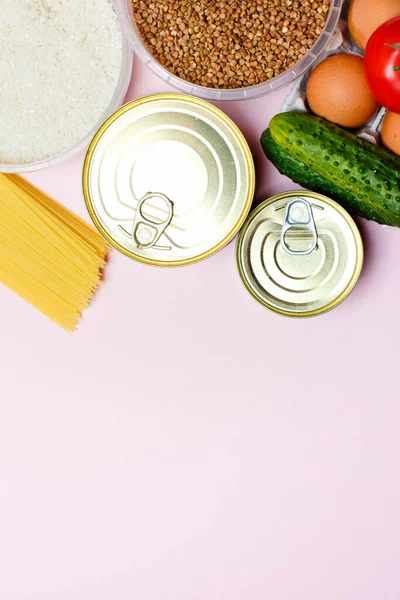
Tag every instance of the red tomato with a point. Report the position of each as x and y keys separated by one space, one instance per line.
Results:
x=382 y=64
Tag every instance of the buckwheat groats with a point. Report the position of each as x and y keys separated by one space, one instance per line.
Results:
x=229 y=44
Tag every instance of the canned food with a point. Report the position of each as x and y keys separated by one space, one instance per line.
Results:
x=299 y=254
x=168 y=179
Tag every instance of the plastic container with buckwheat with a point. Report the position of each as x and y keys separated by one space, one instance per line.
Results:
x=230 y=50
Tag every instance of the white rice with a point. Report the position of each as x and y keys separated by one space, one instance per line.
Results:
x=60 y=62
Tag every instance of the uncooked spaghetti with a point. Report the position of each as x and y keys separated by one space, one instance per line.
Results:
x=48 y=255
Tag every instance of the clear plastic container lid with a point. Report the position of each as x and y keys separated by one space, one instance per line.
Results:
x=246 y=93
x=115 y=102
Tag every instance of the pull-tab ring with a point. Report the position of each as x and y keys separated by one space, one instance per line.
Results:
x=299 y=214
x=146 y=232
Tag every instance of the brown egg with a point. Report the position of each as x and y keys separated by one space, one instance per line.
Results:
x=365 y=16
x=337 y=90
x=391 y=132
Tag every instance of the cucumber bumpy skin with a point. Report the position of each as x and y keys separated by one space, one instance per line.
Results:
x=325 y=158
x=301 y=174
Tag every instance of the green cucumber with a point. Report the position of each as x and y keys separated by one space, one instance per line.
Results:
x=322 y=157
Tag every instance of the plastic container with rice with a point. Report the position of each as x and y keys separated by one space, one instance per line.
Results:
x=65 y=69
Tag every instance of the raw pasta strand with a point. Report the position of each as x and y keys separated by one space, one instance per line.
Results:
x=48 y=255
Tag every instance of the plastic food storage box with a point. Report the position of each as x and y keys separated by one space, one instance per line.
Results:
x=246 y=93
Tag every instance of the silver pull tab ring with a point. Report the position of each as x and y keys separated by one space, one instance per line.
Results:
x=299 y=214
x=146 y=232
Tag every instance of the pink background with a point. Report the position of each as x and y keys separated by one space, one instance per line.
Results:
x=186 y=444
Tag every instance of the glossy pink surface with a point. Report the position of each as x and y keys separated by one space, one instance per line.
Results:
x=186 y=444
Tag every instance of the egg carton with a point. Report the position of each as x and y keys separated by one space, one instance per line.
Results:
x=340 y=42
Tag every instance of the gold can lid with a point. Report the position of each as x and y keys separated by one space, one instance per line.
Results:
x=168 y=179
x=299 y=254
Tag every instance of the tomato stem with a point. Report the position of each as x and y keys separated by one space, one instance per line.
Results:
x=396 y=47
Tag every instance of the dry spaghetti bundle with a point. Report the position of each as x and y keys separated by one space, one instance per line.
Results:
x=48 y=255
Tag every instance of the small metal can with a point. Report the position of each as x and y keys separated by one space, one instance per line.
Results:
x=299 y=254
x=168 y=179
